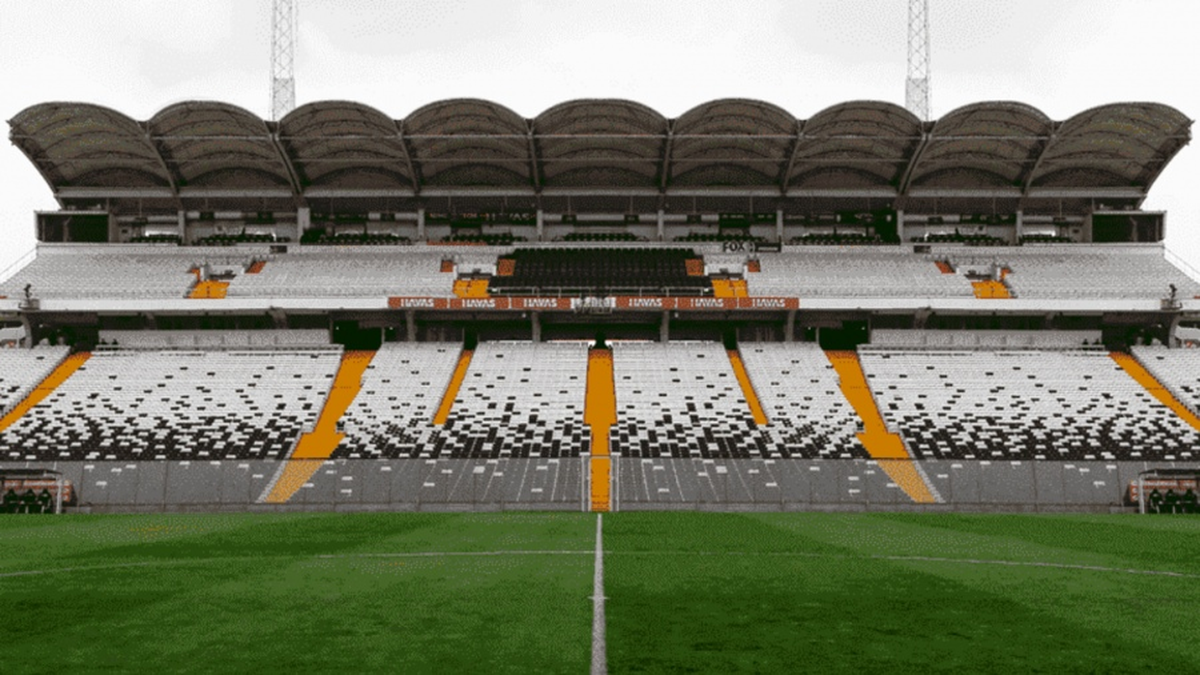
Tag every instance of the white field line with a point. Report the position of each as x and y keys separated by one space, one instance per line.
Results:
x=447 y=554
x=599 y=647
x=598 y=594
x=923 y=558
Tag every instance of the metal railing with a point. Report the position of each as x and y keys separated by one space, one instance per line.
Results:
x=1183 y=265
x=8 y=272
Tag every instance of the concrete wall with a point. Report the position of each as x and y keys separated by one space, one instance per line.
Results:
x=562 y=484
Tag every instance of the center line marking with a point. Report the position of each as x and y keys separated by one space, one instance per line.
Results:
x=599 y=649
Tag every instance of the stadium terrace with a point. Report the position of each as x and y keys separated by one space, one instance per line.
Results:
x=600 y=308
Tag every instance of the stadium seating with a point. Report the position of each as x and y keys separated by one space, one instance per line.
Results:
x=215 y=339
x=599 y=270
x=1016 y=405
x=177 y=406
x=1177 y=369
x=682 y=400
x=392 y=416
x=23 y=369
x=992 y=339
x=319 y=274
x=127 y=271
x=1093 y=272
x=518 y=400
x=798 y=389
x=869 y=272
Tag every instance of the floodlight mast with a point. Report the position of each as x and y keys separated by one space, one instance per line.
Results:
x=917 y=89
x=283 y=51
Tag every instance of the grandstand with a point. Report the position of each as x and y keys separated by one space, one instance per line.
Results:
x=600 y=308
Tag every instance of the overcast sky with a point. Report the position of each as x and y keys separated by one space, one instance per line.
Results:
x=138 y=56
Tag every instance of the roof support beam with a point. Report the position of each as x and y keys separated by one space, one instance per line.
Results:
x=906 y=179
x=408 y=161
x=535 y=165
x=668 y=148
x=1027 y=181
x=173 y=179
x=791 y=163
x=293 y=178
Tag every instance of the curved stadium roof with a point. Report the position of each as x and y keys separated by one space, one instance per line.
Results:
x=727 y=146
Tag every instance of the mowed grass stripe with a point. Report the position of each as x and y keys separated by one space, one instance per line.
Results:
x=276 y=605
x=841 y=610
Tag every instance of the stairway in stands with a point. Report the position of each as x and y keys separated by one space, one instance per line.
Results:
x=209 y=290
x=743 y=378
x=319 y=444
x=56 y=377
x=600 y=413
x=460 y=373
x=879 y=442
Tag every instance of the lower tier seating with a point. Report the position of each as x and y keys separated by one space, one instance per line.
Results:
x=1176 y=369
x=176 y=406
x=401 y=390
x=1065 y=405
x=682 y=400
x=21 y=370
x=798 y=388
x=517 y=400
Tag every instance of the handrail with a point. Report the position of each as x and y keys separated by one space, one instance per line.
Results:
x=11 y=271
x=1183 y=265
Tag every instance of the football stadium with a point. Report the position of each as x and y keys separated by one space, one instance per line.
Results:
x=732 y=390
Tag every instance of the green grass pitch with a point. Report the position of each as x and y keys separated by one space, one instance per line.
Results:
x=687 y=592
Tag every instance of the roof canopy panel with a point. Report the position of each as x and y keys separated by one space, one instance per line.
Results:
x=346 y=145
x=600 y=143
x=81 y=144
x=469 y=142
x=996 y=142
x=870 y=149
x=212 y=144
x=731 y=142
x=1125 y=144
x=870 y=142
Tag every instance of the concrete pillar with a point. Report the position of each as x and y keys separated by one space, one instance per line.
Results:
x=421 y=225
x=664 y=330
x=1171 y=328
x=410 y=325
x=900 y=225
x=789 y=329
x=535 y=321
x=1020 y=226
x=303 y=219
x=779 y=225
x=661 y=229
x=182 y=223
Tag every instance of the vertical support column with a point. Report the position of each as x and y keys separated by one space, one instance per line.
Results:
x=421 y=224
x=789 y=330
x=182 y=215
x=541 y=225
x=303 y=219
x=661 y=228
x=1171 y=330
x=410 y=325
x=779 y=225
x=1020 y=226
x=900 y=225
x=664 y=330
x=535 y=320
